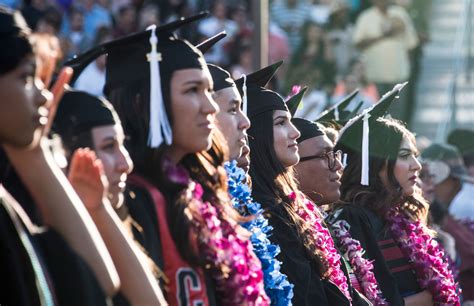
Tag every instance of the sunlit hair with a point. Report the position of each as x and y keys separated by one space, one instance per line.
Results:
x=132 y=105
x=272 y=179
x=377 y=197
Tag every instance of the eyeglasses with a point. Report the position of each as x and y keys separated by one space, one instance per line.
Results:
x=331 y=157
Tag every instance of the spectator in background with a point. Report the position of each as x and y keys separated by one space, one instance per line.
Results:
x=149 y=14
x=355 y=78
x=449 y=175
x=92 y=79
x=320 y=10
x=33 y=12
x=76 y=41
x=50 y=22
x=126 y=21
x=291 y=15
x=340 y=32
x=214 y=24
x=313 y=56
x=385 y=35
x=96 y=15
x=243 y=63
x=462 y=139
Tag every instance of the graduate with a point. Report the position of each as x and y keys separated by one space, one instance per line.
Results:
x=308 y=255
x=65 y=261
x=86 y=121
x=233 y=124
x=162 y=92
x=385 y=210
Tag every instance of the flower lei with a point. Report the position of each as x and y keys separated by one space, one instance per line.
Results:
x=277 y=286
x=324 y=243
x=426 y=257
x=229 y=257
x=362 y=267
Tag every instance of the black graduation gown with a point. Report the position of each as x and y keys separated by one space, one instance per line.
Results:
x=309 y=288
x=392 y=270
x=140 y=207
x=69 y=278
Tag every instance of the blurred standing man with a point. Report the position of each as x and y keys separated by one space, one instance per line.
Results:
x=385 y=35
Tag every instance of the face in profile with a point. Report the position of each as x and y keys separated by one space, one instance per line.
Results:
x=108 y=145
x=319 y=170
x=232 y=122
x=22 y=103
x=284 y=138
x=193 y=111
x=407 y=168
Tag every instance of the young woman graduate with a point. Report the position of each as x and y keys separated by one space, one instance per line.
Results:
x=40 y=266
x=86 y=121
x=233 y=124
x=308 y=255
x=167 y=112
x=385 y=210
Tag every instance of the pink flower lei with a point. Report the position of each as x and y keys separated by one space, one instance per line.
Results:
x=324 y=243
x=234 y=267
x=426 y=257
x=362 y=267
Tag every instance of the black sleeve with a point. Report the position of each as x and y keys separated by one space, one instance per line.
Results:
x=362 y=230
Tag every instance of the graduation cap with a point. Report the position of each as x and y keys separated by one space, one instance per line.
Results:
x=257 y=79
x=337 y=113
x=12 y=23
x=80 y=111
x=361 y=135
x=210 y=42
x=221 y=77
x=294 y=101
x=308 y=129
x=148 y=56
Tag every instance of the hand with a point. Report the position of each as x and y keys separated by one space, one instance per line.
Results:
x=86 y=175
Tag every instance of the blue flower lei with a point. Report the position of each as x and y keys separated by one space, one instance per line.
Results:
x=277 y=286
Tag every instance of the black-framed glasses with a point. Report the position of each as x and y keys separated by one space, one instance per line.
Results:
x=331 y=157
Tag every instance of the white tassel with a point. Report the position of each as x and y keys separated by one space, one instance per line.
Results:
x=159 y=123
x=364 y=175
x=244 y=98
x=336 y=113
x=344 y=160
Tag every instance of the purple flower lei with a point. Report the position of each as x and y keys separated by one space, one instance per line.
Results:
x=426 y=257
x=362 y=267
x=228 y=256
x=324 y=243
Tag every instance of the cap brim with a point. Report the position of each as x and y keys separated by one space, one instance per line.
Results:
x=328 y=115
x=210 y=42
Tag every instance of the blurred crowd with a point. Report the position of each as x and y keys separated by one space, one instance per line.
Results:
x=331 y=46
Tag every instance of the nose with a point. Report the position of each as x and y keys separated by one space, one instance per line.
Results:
x=124 y=162
x=294 y=133
x=244 y=121
x=416 y=166
x=209 y=106
x=337 y=164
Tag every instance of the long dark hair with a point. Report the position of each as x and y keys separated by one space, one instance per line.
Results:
x=377 y=197
x=272 y=179
x=132 y=105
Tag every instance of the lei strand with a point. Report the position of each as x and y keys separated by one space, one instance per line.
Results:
x=426 y=257
x=229 y=257
x=362 y=267
x=324 y=243
x=277 y=286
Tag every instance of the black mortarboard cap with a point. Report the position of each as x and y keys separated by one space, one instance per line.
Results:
x=294 y=101
x=361 y=134
x=127 y=56
x=259 y=78
x=210 y=42
x=308 y=129
x=12 y=23
x=80 y=111
x=221 y=77
x=337 y=112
